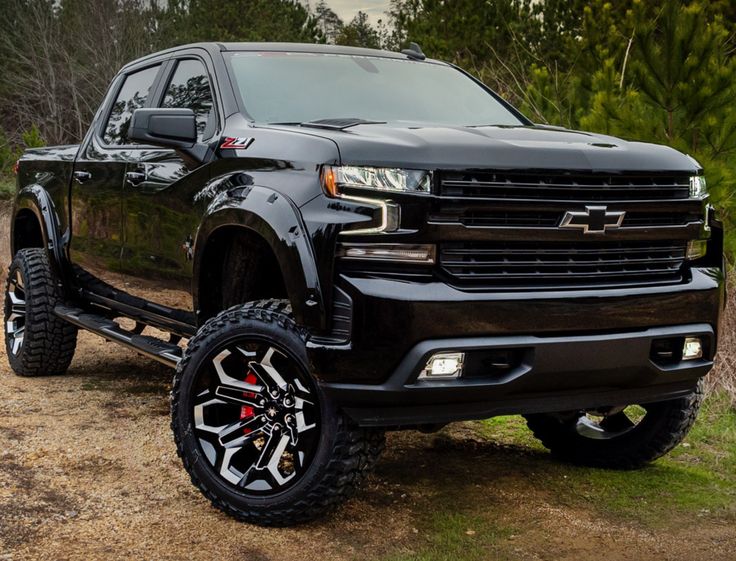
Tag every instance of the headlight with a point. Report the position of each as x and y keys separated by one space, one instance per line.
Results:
x=392 y=180
x=698 y=188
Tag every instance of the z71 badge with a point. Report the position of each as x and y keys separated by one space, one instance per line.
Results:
x=239 y=143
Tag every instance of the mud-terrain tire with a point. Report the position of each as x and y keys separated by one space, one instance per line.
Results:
x=243 y=373
x=617 y=445
x=37 y=342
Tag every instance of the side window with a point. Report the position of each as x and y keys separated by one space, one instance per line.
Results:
x=132 y=96
x=189 y=88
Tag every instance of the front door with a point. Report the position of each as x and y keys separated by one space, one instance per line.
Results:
x=159 y=224
x=160 y=206
x=97 y=186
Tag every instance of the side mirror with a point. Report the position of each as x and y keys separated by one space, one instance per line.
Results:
x=169 y=128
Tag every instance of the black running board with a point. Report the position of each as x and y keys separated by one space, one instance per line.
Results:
x=162 y=351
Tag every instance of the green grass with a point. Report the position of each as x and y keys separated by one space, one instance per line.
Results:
x=511 y=431
x=698 y=477
x=653 y=496
x=454 y=537
x=695 y=483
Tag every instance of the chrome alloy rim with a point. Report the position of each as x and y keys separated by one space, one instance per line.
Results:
x=610 y=423
x=255 y=417
x=15 y=311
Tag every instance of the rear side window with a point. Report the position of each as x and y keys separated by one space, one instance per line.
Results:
x=132 y=96
x=189 y=88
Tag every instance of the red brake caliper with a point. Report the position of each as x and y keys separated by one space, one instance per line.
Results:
x=246 y=410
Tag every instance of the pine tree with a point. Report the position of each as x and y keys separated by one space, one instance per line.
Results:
x=359 y=33
x=504 y=42
x=462 y=31
x=678 y=89
x=328 y=21
x=243 y=20
x=680 y=72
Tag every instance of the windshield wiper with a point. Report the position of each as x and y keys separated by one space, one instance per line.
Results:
x=497 y=126
x=334 y=124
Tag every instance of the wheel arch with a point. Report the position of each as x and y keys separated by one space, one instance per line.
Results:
x=36 y=224
x=263 y=214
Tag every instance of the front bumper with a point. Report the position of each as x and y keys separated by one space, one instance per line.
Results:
x=581 y=348
x=552 y=374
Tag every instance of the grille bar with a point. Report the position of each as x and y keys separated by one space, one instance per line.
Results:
x=582 y=249
x=552 y=219
x=567 y=187
x=570 y=264
x=519 y=265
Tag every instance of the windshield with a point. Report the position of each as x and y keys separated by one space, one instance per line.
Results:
x=281 y=87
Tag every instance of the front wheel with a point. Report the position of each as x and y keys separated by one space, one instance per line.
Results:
x=254 y=431
x=618 y=437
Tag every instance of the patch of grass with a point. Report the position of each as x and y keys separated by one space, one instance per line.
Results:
x=455 y=537
x=510 y=430
x=696 y=481
x=146 y=388
x=7 y=188
x=698 y=477
x=651 y=495
x=95 y=384
x=712 y=442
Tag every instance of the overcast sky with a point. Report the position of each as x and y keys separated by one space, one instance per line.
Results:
x=347 y=9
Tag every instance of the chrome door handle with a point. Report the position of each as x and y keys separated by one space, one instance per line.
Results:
x=80 y=176
x=135 y=177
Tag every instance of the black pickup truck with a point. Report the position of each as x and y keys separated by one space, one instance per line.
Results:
x=340 y=241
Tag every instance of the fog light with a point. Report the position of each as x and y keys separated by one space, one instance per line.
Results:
x=696 y=249
x=404 y=253
x=692 y=348
x=443 y=366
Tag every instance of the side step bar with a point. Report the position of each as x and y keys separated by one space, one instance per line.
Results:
x=167 y=353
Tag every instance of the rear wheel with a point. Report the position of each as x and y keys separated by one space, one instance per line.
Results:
x=618 y=437
x=254 y=431
x=36 y=340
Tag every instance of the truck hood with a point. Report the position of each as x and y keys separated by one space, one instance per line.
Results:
x=528 y=147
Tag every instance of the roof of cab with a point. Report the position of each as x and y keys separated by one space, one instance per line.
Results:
x=308 y=48
x=274 y=47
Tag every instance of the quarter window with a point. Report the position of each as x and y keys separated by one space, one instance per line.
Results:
x=133 y=95
x=189 y=88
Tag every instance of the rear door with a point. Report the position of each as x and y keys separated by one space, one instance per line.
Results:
x=161 y=198
x=97 y=185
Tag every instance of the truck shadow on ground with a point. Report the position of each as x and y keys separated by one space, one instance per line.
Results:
x=455 y=465
x=451 y=457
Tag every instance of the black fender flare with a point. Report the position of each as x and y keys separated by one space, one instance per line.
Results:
x=37 y=200
x=278 y=221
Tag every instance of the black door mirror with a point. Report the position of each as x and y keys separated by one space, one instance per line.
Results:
x=172 y=128
x=169 y=128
